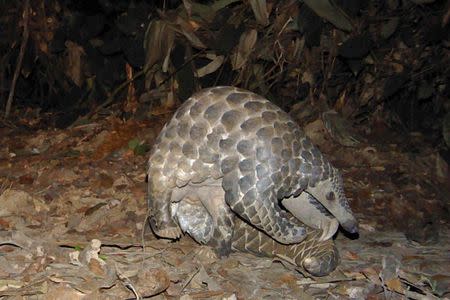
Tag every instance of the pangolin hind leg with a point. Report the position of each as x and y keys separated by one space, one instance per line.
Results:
x=212 y=197
x=194 y=219
x=160 y=219
x=202 y=212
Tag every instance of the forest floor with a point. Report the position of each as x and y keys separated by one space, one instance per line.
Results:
x=70 y=195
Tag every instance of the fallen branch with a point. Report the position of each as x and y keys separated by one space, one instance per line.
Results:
x=26 y=34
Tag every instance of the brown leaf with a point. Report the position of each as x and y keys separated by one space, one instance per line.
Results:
x=394 y=284
x=117 y=138
x=208 y=11
x=351 y=255
x=185 y=27
x=216 y=62
x=260 y=10
x=62 y=291
x=158 y=42
x=328 y=10
x=372 y=275
x=26 y=179
x=74 y=62
x=96 y=267
x=153 y=282
x=245 y=48
x=103 y=181
x=4 y=224
x=288 y=278
x=131 y=102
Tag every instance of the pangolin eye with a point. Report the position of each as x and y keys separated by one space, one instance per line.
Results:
x=330 y=196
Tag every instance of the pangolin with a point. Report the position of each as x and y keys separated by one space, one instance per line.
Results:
x=235 y=141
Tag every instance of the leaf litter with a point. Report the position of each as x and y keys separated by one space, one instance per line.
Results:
x=72 y=201
x=78 y=227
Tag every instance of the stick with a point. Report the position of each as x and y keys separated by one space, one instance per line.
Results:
x=26 y=34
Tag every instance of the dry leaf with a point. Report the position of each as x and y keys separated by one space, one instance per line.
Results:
x=340 y=129
x=73 y=70
x=245 y=48
x=208 y=11
x=96 y=267
x=217 y=61
x=202 y=278
x=395 y=285
x=351 y=255
x=188 y=6
x=13 y=202
x=185 y=28
x=153 y=282
x=328 y=10
x=158 y=42
x=259 y=8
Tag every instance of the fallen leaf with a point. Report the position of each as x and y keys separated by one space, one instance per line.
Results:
x=328 y=10
x=260 y=11
x=245 y=47
x=351 y=255
x=395 y=285
x=96 y=267
x=216 y=62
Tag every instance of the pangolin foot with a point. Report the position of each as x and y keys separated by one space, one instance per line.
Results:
x=317 y=267
x=168 y=231
x=205 y=252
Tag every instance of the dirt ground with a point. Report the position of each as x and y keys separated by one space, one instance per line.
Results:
x=73 y=223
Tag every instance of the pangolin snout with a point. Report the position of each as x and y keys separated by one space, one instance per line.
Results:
x=350 y=226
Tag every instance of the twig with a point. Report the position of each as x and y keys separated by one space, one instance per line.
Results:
x=11 y=243
x=143 y=233
x=26 y=34
x=189 y=279
x=127 y=283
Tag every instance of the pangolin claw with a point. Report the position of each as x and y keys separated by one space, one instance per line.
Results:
x=206 y=252
x=169 y=233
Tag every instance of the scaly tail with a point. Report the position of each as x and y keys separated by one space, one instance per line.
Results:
x=318 y=258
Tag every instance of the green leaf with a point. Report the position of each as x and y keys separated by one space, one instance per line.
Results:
x=141 y=149
x=133 y=144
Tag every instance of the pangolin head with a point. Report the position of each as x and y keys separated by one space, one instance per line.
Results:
x=330 y=193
